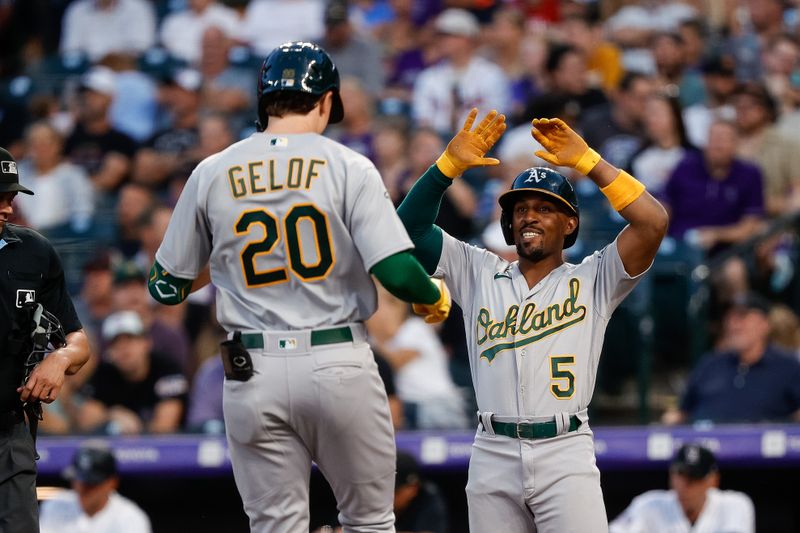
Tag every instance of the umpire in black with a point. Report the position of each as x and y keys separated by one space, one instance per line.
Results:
x=30 y=271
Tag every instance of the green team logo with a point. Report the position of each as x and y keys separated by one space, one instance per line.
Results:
x=534 y=323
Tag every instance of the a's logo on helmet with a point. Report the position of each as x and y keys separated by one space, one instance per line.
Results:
x=533 y=175
x=287 y=77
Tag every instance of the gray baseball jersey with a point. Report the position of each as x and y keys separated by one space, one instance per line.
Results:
x=296 y=222
x=533 y=352
x=291 y=225
x=533 y=355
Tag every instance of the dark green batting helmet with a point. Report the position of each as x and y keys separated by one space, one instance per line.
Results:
x=541 y=180
x=301 y=67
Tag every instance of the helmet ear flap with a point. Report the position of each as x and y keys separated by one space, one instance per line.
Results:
x=505 y=225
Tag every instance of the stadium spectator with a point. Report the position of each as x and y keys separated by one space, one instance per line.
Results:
x=133 y=202
x=444 y=93
x=719 y=77
x=761 y=142
x=182 y=32
x=166 y=337
x=507 y=46
x=357 y=129
x=226 y=88
x=672 y=73
x=103 y=151
x=420 y=364
x=354 y=55
x=762 y=21
x=747 y=379
x=780 y=60
x=617 y=130
x=391 y=148
x=269 y=23
x=95 y=302
x=152 y=224
x=93 y=505
x=567 y=76
x=403 y=39
x=170 y=152
x=603 y=58
x=665 y=145
x=418 y=504
x=460 y=201
x=694 y=502
x=715 y=194
x=135 y=106
x=64 y=202
x=694 y=35
x=101 y=27
x=785 y=329
x=136 y=390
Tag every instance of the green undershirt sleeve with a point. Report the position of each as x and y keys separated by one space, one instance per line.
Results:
x=166 y=288
x=403 y=276
x=419 y=210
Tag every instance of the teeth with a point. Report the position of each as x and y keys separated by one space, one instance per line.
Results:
x=528 y=234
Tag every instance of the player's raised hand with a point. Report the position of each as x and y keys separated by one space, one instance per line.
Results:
x=564 y=147
x=438 y=311
x=467 y=149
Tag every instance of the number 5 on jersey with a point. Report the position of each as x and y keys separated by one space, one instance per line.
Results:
x=297 y=263
x=563 y=386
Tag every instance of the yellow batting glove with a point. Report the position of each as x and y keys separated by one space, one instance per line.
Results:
x=468 y=148
x=565 y=148
x=438 y=311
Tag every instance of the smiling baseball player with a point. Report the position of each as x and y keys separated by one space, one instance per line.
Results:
x=292 y=224
x=535 y=326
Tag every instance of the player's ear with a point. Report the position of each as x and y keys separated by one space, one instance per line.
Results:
x=326 y=104
x=572 y=223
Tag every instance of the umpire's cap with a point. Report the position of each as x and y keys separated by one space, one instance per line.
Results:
x=694 y=461
x=545 y=181
x=9 y=176
x=301 y=67
x=92 y=464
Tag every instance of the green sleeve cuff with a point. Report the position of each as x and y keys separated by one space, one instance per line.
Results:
x=166 y=288
x=403 y=276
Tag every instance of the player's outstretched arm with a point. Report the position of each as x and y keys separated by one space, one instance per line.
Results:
x=403 y=276
x=467 y=149
x=639 y=241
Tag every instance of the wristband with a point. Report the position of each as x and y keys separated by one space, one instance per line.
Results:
x=623 y=190
x=587 y=162
x=447 y=167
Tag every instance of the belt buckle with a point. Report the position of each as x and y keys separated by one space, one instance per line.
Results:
x=518 y=425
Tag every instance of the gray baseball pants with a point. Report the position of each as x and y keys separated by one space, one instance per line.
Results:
x=307 y=403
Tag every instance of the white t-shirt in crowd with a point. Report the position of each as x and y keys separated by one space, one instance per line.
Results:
x=427 y=376
x=63 y=514
x=182 y=32
x=658 y=511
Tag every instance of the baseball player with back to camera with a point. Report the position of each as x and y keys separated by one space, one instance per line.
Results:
x=535 y=326
x=291 y=225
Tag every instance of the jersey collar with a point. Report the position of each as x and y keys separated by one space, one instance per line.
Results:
x=9 y=236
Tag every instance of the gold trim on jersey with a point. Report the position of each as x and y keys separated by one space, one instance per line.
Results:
x=541 y=324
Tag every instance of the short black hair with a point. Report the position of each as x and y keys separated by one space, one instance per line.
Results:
x=556 y=55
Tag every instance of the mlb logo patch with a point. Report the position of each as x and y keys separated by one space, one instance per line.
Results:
x=279 y=142
x=287 y=344
x=25 y=296
x=287 y=77
x=8 y=167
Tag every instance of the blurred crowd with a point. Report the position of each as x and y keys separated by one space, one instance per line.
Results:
x=109 y=104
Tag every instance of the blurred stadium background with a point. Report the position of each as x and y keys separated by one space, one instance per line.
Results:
x=109 y=104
